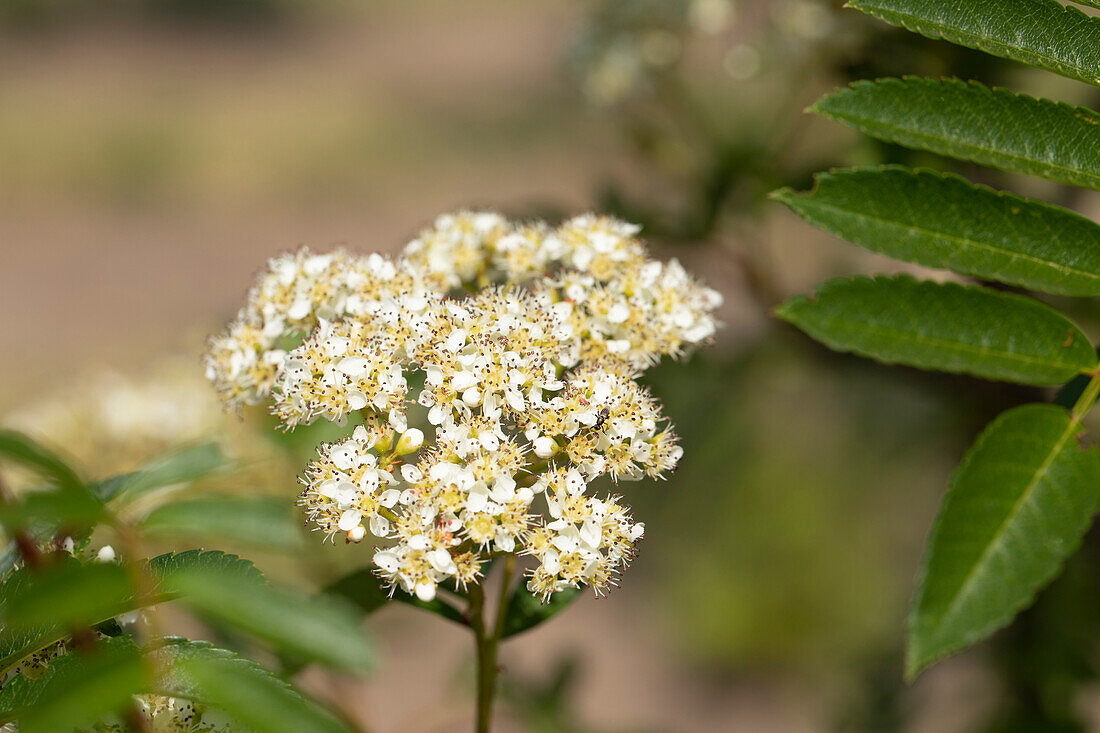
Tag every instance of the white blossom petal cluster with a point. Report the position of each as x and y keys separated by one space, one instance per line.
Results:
x=517 y=348
x=297 y=292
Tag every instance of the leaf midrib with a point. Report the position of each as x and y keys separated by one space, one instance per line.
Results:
x=998 y=536
x=966 y=348
x=1064 y=269
x=864 y=123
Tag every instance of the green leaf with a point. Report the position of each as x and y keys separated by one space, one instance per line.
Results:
x=189 y=464
x=69 y=594
x=320 y=628
x=941 y=220
x=20 y=449
x=70 y=505
x=46 y=513
x=362 y=588
x=993 y=127
x=1042 y=33
x=1018 y=506
x=265 y=522
x=240 y=688
x=526 y=611
x=77 y=689
x=47 y=603
x=164 y=568
x=947 y=327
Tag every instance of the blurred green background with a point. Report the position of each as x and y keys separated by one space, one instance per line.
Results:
x=153 y=154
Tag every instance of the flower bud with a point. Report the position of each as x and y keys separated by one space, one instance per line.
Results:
x=545 y=447
x=356 y=534
x=410 y=442
x=385 y=441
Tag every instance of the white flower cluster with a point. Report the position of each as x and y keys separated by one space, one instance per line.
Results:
x=528 y=383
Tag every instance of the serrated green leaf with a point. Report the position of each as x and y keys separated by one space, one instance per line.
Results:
x=45 y=609
x=526 y=611
x=165 y=567
x=239 y=687
x=1018 y=506
x=993 y=127
x=77 y=689
x=944 y=221
x=946 y=326
x=321 y=628
x=189 y=464
x=362 y=588
x=69 y=594
x=265 y=522
x=1041 y=33
x=19 y=448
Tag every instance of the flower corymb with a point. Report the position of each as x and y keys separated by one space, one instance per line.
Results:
x=488 y=377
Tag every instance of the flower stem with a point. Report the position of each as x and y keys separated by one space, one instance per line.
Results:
x=488 y=642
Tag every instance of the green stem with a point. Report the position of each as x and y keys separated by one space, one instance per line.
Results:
x=489 y=642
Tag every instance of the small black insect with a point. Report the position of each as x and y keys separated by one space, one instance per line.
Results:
x=601 y=418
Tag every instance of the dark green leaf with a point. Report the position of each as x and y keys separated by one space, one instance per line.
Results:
x=1041 y=33
x=947 y=327
x=264 y=522
x=77 y=689
x=526 y=611
x=239 y=687
x=943 y=221
x=321 y=628
x=993 y=127
x=362 y=588
x=1018 y=506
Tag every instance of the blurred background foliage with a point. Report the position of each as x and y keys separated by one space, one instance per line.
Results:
x=155 y=151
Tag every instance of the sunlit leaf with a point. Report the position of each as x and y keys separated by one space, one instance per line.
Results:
x=943 y=221
x=949 y=327
x=1018 y=506
x=966 y=120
